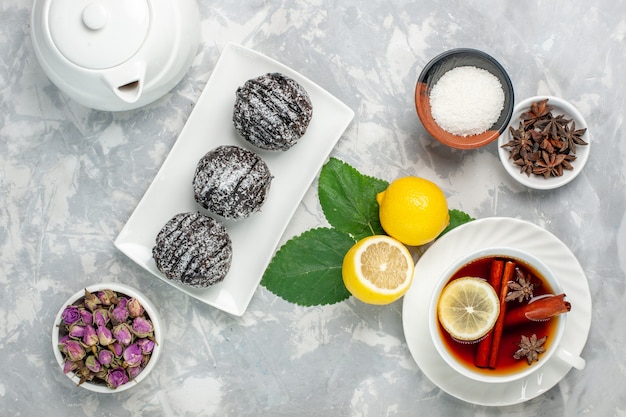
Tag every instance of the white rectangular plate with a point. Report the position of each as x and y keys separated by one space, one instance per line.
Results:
x=210 y=125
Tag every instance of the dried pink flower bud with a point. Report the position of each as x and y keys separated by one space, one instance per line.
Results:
x=62 y=343
x=142 y=327
x=92 y=363
x=74 y=350
x=134 y=371
x=85 y=316
x=105 y=336
x=123 y=334
x=107 y=297
x=116 y=363
x=116 y=377
x=76 y=331
x=69 y=366
x=116 y=348
x=90 y=338
x=132 y=355
x=101 y=317
x=145 y=360
x=105 y=357
x=119 y=313
x=147 y=346
x=70 y=315
x=91 y=301
x=135 y=309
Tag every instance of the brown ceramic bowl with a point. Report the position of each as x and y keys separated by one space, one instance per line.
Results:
x=443 y=63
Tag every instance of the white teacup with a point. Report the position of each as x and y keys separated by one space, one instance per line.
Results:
x=554 y=349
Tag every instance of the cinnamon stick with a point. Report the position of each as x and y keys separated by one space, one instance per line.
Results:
x=483 y=349
x=543 y=308
x=509 y=269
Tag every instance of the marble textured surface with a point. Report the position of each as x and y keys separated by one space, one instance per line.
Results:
x=71 y=176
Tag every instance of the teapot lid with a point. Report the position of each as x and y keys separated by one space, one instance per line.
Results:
x=98 y=34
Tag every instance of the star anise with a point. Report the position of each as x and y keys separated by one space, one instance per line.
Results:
x=537 y=111
x=521 y=142
x=550 y=164
x=566 y=162
x=530 y=347
x=550 y=125
x=522 y=289
x=547 y=144
x=571 y=137
x=527 y=163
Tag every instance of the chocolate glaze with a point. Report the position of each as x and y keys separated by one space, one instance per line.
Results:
x=231 y=181
x=272 y=111
x=193 y=249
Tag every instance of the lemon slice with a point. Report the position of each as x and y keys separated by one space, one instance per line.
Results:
x=468 y=308
x=377 y=269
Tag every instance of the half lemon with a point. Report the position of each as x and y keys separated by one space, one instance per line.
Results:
x=378 y=269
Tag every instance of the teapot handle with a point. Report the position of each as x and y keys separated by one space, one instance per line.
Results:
x=126 y=81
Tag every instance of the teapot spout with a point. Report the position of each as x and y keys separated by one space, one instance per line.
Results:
x=127 y=82
x=129 y=92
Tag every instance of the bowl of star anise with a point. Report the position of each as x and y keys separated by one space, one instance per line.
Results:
x=547 y=143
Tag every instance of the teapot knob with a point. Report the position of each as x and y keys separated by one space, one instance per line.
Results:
x=95 y=16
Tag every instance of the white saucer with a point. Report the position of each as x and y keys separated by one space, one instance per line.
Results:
x=484 y=233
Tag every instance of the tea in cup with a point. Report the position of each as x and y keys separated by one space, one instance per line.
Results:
x=523 y=332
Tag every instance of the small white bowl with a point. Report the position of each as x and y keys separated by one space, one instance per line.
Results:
x=537 y=181
x=149 y=309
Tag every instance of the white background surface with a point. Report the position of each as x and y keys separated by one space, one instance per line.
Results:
x=70 y=177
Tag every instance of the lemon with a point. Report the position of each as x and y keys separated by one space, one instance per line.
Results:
x=468 y=308
x=377 y=269
x=413 y=210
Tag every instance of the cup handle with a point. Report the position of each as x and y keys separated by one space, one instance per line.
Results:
x=571 y=359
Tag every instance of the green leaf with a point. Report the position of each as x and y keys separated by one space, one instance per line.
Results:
x=348 y=199
x=306 y=270
x=457 y=218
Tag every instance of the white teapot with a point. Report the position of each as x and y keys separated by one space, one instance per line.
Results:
x=115 y=54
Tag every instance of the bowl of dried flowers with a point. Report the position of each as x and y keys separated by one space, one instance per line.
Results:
x=107 y=337
x=546 y=144
x=464 y=98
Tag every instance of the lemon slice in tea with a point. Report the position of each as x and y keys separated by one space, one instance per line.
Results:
x=468 y=308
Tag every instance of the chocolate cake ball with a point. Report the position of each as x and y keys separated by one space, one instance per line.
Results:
x=193 y=249
x=231 y=181
x=272 y=111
